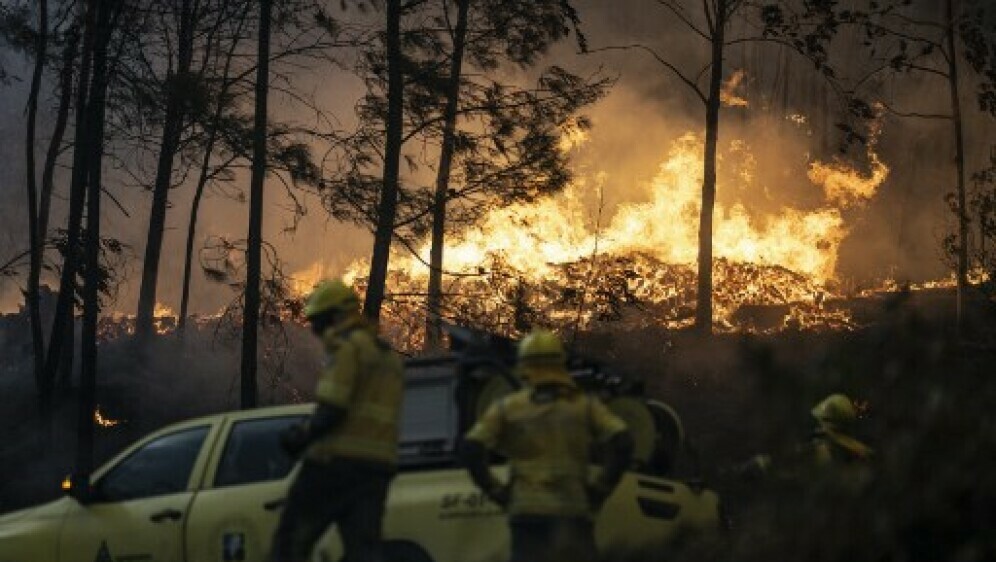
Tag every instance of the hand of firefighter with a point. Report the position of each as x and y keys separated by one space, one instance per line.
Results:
x=752 y=469
x=295 y=439
x=499 y=493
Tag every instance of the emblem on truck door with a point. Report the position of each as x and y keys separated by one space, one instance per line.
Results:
x=233 y=547
x=103 y=555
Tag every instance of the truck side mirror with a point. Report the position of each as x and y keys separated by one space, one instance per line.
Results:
x=77 y=486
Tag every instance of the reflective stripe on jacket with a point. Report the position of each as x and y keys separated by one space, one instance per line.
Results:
x=548 y=443
x=364 y=377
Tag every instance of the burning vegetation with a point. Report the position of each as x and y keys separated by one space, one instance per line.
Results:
x=557 y=262
x=119 y=324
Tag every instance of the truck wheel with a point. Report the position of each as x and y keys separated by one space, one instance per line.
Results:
x=405 y=551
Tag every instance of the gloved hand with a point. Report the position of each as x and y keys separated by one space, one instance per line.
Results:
x=499 y=493
x=754 y=468
x=294 y=440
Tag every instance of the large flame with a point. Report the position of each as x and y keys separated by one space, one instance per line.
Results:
x=535 y=237
x=646 y=251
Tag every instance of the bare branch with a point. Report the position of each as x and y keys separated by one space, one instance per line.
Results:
x=678 y=12
x=709 y=18
x=694 y=87
x=916 y=115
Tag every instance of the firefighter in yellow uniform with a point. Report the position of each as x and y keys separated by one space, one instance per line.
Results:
x=831 y=443
x=547 y=430
x=350 y=443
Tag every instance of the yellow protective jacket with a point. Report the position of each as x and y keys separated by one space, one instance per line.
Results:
x=363 y=376
x=548 y=444
x=831 y=446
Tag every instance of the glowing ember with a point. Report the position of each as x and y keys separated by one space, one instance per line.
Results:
x=119 y=324
x=164 y=319
x=101 y=420
x=797 y=118
x=162 y=311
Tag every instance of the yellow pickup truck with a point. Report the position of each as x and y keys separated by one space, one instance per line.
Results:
x=211 y=490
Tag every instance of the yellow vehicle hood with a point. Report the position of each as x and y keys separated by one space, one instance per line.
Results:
x=51 y=510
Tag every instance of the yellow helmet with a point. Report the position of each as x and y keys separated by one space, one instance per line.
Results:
x=542 y=348
x=330 y=296
x=835 y=410
x=542 y=359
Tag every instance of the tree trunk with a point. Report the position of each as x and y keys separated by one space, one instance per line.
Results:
x=202 y=181
x=703 y=312
x=387 y=208
x=77 y=196
x=64 y=368
x=172 y=130
x=58 y=132
x=36 y=239
x=962 y=211
x=91 y=285
x=181 y=324
x=65 y=364
x=433 y=330
x=253 y=250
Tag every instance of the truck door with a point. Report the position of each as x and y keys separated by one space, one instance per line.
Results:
x=140 y=505
x=235 y=514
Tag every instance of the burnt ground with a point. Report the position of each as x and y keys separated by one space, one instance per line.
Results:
x=929 y=414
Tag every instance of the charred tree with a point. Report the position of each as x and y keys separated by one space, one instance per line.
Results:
x=36 y=238
x=717 y=20
x=108 y=11
x=175 y=115
x=55 y=143
x=961 y=209
x=388 y=205
x=214 y=129
x=62 y=323
x=250 y=322
x=433 y=335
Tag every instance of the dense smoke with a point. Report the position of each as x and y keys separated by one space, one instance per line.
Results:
x=788 y=122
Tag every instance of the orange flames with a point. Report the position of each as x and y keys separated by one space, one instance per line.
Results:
x=551 y=255
x=728 y=94
x=534 y=237
x=845 y=186
x=118 y=324
x=302 y=282
x=561 y=262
